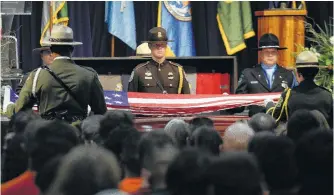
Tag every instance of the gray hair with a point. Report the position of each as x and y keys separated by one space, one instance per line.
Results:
x=238 y=135
x=178 y=129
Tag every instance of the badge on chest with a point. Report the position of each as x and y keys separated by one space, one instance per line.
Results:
x=148 y=75
x=170 y=76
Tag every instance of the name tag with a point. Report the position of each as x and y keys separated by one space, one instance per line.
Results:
x=254 y=82
x=148 y=78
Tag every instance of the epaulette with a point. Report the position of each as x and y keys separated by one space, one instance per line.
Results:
x=175 y=64
x=141 y=65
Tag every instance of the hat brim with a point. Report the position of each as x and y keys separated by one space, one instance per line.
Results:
x=278 y=48
x=156 y=41
x=40 y=49
x=310 y=66
x=62 y=43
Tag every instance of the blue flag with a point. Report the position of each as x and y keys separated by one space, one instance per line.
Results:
x=120 y=17
x=175 y=17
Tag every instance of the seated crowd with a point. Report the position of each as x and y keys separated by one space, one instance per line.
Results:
x=107 y=155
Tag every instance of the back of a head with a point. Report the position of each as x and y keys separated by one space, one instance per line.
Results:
x=207 y=139
x=186 y=174
x=47 y=139
x=179 y=130
x=301 y=122
x=86 y=170
x=262 y=122
x=275 y=155
x=113 y=119
x=308 y=73
x=314 y=156
x=237 y=136
x=115 y=139
x=130 y=154
x=90 y=127
x=20 y=120
x=235 y=173
x=321 y=118
x=198 y=122
x=156 y=151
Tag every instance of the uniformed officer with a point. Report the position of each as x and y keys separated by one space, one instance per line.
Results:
x=267 y=76
x=307 y=95
x=47 y=59
x=158 y=75
x=63 y=90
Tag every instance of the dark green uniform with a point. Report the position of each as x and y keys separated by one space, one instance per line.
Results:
x=52 y=97
x=147 y=76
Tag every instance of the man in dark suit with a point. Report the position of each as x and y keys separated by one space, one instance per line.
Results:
x=307 y=95
x=267 y=76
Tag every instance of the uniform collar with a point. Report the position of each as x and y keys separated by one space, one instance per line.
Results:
x=156 y=63
x=266 y=67
x=62 y=58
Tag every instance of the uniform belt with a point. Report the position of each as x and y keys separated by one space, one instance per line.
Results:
x=63 y=115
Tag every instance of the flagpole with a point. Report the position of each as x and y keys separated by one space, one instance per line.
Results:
x=112 y=46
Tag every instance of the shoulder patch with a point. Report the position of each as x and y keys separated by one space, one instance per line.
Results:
x=141 y=65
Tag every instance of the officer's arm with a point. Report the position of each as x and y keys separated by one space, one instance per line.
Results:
x=279 y=112
x=20 y=85
x=241 y=89
x=97 y=102
x=185 y=87
x=26 y=99
x=133 y=82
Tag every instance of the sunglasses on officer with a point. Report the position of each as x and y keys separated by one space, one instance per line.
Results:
x=159 y=45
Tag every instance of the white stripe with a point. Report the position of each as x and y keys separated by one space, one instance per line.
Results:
x=35 y=82
x=275 y=46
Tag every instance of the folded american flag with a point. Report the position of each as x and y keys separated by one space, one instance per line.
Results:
x=176 y=104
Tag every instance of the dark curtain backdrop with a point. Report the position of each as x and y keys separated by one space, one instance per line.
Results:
x=87 y=20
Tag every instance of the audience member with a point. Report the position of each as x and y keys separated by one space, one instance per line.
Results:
x=235 y=173
x=262 y=122
x=236 y=137
x=301 y=122
x=198 y=122
x=186 y=174
x=320 y=118
x=113 y=119
x=87 y=170
x=208 y=139
x=90 y=129
x=314 y=156
x=132 y=181
x=275 y=155
x=43 y=140
x=179 y=131
x=156 y=151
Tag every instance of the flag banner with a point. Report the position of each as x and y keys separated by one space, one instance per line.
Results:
x=120 y=17
x=173 y=104
x=235 y=24
x=58 y=10
x=175 y=17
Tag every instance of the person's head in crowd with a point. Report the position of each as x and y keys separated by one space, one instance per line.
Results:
x=275 y=156
x=90 y=129
x=262 y=122
x=156 y=151
x=115 y=139
x=186 y=174
x=281 y=129
x=198 y=122
x=314 y=156
x=86 y=170
x=236 y=137
x=47 y=139
x=301 y=122
x=47 y=174
x=179 y=130
x=20 y=120
x=235 y=173
x=207 y=139
x=113 y=119
x=321 y=118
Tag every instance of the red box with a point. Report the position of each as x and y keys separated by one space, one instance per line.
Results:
x=212 y=83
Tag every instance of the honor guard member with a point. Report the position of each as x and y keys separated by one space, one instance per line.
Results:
x=267 y=76
x=63 y=90
x=158 y=75
x=47 y=59
x=307 y=95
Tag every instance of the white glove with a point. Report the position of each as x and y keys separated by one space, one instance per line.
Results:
x=266 y=101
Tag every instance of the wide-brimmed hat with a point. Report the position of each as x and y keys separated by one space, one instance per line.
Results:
x=143 y=50
x=307 y=59
x=157 y=34
x=41 y=49
x=61 y=35
x=269 y=40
